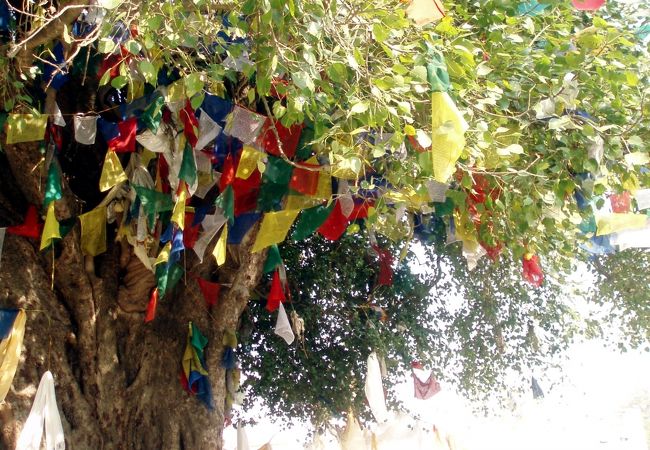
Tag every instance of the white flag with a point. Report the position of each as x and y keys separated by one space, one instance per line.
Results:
x=44 y=410
x=85 y=129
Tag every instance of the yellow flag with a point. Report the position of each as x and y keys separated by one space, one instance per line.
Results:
x=51 y=230
x=178 y=215
x=163 y=256
x=10 y=353
x=219 y=251
x=248 y=162
x=112 y=172
x=93 y=231
x=274 y=228
x=448 y=138
x=26 y=128
x=175 y=92
x=615 y=222
x=324 y=190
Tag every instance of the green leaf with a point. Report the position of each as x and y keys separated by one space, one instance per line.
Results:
x=193 y=83
x=118 y=82
x=110 y=4
x=148 y=71
x=359 y=108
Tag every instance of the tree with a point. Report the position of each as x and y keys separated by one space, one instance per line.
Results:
x=370 y=92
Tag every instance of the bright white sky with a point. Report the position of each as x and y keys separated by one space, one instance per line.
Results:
x=589 y=409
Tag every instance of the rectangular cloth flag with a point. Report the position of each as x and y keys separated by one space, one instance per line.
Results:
x=448 y=137
x=93 y=231
x=248 y=162
x=12 y=331
x=274 y=228
x=245 y=125
x=613 y=223
x=642 y=197
x=85 y=129
x=26 y=128
x=425 y=11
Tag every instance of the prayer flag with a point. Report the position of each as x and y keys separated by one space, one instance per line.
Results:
x=53 y=185
x=374 y=389
x=85 y=129
x=283 y=327
x=209 y=290
x=425 y=11
x=642 y=197
x=187 y=171
x=289 y=138
x=51 y=229
x=334 y=226
x=12 y=331
x=178 y=214
x=26 y=128
x=30 y=227
x=125 y=140
x=221 y=247
x=273 y=259
x=151 y=306
x=250 y=157
x=93 y=231
x=620 y=202
x=2 y=243
x=532 y=270
x=216 y=107
x=276 y=294
x=612 y=223
x=245 y=125
x=208 y=130
x=242 y=224
x=190 y=124
x=587 y=5
x=226 y=202
x=112 y=172
x=448 y=138
x=274 y=228
x=424 y=390
x=304 y=180
x=310 y=220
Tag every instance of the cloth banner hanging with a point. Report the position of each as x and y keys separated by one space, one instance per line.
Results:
x=245 y=125
x=375 y=390
x=220 y=249
x=125 y=140
x=26 y=128
x=283 y=327
x=424 y=390
x=448 y=138
x=276 y=294
x=12 y=331
x=44 y=411
x=209 y=290
x=274 y=228
x=425 y=11
x=613 y=223
x=93 y=231
x=53 y=110
x=85 y=129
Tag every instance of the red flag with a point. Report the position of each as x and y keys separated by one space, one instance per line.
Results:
x=151 y=307
x=31 y=227
x=276 y=294
x=360 y=210
x=246 y=191
x=620 y=202
x=288 y=136
x=210 y=291
x=125 y=141
x=425 y=389
x=385 y=266
x=227 y=173
x=305 y=181
x=191 y=232
x=190 y=124
x=335 y=224
x=532 y=270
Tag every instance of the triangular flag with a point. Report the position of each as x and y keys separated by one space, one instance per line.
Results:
x=190 y=124
x=30 y=228
x=26 y=128
x=51 y=230
x=226 y=202
x=112 y=172
x=151 y=306
x=11 y=343
x=374 y=389
x=335 y=225
x=206 y=237
x=448 y=140
x=276 y=294
x=188 y=169
x=274 y=228
x=283 y=327
x=273 y=259
x=310 y=220
x=208 y=130
x=178 y=214
x=93 y=231
x=220 y=249
x=125 y=140
x=210 y=291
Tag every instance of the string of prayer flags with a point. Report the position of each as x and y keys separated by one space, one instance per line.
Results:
x=44 y=412
x=335 y=225
x=112 y=172
x=93 y=231
x=423 y=12
x=26 y=128
x=12 y=331
x=51 y=230
x=220 y=249
x=448 y=138
x=289 y=138
x=85 y=129
x=208 y=130
x=150 y=313
x=276 y=294
x=31 y=227
x=53 y=189
x=245 y=125
x=210 y=291
x=125 y=139
x=283 y=327
x=613 y=223
x=587 y=5
x=532 y=270
x=248 y=162
x=194 y=376
x=274 y=228
x=273 y=259
x=424 y=390
x=243 y=223
x=229 y=342
x=374 y=389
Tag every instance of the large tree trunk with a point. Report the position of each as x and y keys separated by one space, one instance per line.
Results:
x=117 y=378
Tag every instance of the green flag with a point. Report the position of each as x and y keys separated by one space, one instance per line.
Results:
x=310 y=220
x=437 y=72
x=273 y=259
x=53 y=185
x=226 y=201
x=187 y=172
x=152 y=116
x=153 y=202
